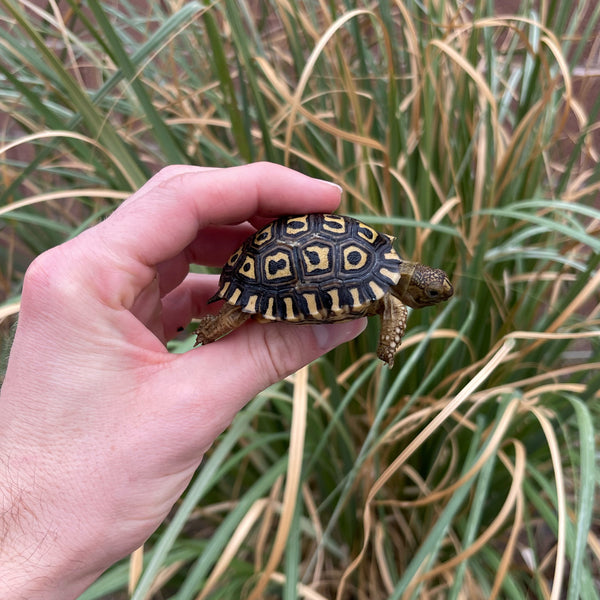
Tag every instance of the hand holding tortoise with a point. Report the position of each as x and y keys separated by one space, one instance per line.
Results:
x=101 y=428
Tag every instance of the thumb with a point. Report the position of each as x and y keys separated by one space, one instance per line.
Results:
x=223 y=376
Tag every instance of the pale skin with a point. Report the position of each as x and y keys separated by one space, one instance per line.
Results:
x=101 y=428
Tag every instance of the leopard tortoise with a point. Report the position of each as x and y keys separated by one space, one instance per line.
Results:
x=321 y=268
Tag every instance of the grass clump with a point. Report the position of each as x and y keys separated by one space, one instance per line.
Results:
x=470 y=469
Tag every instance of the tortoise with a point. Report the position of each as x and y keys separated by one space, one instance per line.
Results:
x=322 y=268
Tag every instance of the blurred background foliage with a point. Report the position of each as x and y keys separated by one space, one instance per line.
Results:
x=469 y=131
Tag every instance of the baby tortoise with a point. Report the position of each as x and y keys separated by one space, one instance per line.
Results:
x=321 y=268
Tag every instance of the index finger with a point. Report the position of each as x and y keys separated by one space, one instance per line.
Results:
x=163 y=217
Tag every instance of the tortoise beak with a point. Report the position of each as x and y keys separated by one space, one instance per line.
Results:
x=447 y=289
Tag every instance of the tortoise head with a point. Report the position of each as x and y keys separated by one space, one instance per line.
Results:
x=421 y=285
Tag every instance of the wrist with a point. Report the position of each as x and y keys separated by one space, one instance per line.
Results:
x=36 y=561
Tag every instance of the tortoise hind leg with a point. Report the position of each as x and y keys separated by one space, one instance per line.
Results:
x=394 y=315
x=212 y=327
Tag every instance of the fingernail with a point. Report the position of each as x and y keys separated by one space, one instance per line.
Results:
x=335 y=185
x=329 y=335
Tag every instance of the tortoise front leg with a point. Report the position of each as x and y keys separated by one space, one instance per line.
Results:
x=212 y=327
x=394 y=315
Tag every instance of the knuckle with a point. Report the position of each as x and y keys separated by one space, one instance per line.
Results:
x=41 y=272
x=166 y=178
x=168 y=172
x=47 y=280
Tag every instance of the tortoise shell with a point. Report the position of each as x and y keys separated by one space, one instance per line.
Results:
x=310 y=268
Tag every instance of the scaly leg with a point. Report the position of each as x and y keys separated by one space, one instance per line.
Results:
x=212 y=327
x=394 y=315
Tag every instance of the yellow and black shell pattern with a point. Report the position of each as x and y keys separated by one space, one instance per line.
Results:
x=310 y=268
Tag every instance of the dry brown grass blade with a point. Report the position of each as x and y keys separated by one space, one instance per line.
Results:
x=493 y=362
x=8 y=310
x=302 y=590
x=292 y=483
x=555 y=454
x=63 y=195
x=520 y=468
x=136 y=565
x=327 y=170
x=512 y=500
x=317 y=526
x=519 y=357
x=379 y=543
x=586 y=294
x=491 y=448
x=487 y=99
x=57 y=134
x=263 y=538
x=231 y=549
x=295 y=105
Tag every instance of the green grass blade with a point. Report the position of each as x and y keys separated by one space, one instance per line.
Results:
x=163 y=135
x=585 y=508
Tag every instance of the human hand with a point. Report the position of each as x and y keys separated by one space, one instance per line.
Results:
x=101 y=428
